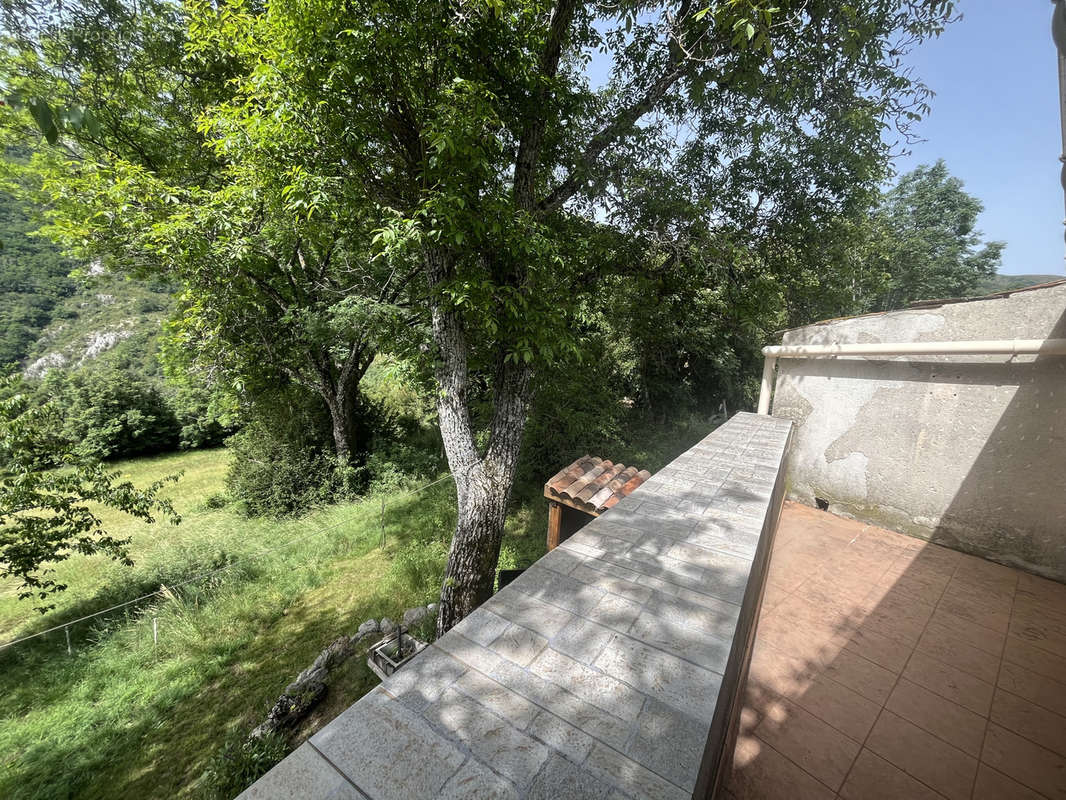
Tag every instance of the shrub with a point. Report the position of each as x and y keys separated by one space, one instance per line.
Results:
x=112 y=413
x=283 y=458
x=240 y=762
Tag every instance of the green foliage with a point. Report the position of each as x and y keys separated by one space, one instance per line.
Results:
x=33 y=281
x=931 y=248
x=240 y=762
x=1003 y=283
x=46 y=487
x=111 y=414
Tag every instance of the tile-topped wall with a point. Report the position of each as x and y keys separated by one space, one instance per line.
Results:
x=610 y=669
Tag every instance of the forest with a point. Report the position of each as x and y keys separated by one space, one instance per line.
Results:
x=332 y=252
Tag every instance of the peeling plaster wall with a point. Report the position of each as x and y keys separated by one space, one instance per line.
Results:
x=964 y=451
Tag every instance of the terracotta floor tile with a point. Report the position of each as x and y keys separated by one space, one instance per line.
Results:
x=1045 y=692
x=889 y=653
x=1028 y=763
x=923 y=586
x=760 y=773
x=931 y=712
x=871 y=680
x=873 y=778
x=993 y=785
x=846 y=710
x=1034 y=658
x=970 y=632
x=899 y=618
x=945 y=644
x=987 y=574
x=992 y=615
x=1043 y=590
x=1042 y=630
x=1045 y=728
x=779 y=672
x=801 y=638
x=814 y=745
x=950 y=682
x=935 y=763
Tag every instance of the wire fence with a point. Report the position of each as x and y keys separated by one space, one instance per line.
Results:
x=168 y=592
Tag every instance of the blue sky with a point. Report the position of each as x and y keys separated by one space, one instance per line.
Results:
x=995 y=121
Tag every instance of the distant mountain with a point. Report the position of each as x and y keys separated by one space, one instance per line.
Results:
x=1003 y=283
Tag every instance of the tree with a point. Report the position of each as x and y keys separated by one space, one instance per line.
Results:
x=47 y=494
x=930 y=246
x=469 y=132
x=273 y=288
x=495 y=179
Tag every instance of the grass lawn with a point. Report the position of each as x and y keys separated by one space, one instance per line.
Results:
x=125 y=718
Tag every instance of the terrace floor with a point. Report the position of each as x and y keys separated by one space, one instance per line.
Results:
x=886 y=667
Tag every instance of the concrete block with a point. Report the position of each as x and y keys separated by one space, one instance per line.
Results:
x=424 y=678
x=496 y=697
x=387 y=750
x=638 y=781
x=492 y=740
x=304 y=773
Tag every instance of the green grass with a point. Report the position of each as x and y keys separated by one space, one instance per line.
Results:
x=124 y=718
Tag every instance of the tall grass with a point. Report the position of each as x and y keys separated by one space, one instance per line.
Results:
x=127 y=717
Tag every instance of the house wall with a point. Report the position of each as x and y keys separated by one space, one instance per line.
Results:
x=964 y=451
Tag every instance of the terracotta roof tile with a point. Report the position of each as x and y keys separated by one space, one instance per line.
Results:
x=593 y=484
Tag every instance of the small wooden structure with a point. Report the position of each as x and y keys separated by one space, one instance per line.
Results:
x=585 y=489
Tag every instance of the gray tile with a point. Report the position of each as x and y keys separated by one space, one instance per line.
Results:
x=474 y=782
x=498 y=698
x=492 y=740
x=387 y=750
x=424 y=677
x=669 y=743
x=663 y=676
x=629 y=776
x=519 y=644
x=561 y=779
x=304 y=773
x=601 y=690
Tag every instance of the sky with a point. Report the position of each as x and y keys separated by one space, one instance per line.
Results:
x=995 y=122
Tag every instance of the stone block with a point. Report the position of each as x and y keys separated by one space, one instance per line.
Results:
x=304 y=773
x=561 y=779
x=519 y=645
x=491 y=739
x=496 y=697
x=388 y=750
x=594 y=687
x=660 y=675
x=424 y=678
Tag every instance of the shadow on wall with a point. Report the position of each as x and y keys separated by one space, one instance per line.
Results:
x=1011 y=506
x=971 y=455
x=885 y=666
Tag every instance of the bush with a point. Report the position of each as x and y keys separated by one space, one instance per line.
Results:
x=239 y=763
x=283 y=458
x=112 y=413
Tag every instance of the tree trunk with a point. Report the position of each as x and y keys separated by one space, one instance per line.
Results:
x=344 y=400
x=483 y=480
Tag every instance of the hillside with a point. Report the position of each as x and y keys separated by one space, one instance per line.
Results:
x=1003 y=283
x=33 y=281
x=108 y=318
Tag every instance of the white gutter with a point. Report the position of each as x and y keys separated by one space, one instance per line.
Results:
x=1052 y=347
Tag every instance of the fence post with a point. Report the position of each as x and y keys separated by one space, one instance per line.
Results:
x=155 y=630
x=383 y=523
x=66 y=630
